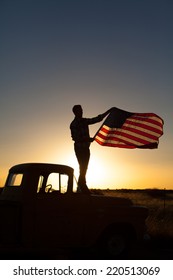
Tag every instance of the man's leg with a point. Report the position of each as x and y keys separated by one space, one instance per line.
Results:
x=83 y=156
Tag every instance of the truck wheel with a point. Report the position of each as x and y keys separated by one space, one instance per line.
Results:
x=115 y=245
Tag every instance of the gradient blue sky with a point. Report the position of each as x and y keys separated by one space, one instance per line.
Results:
x=97 y=53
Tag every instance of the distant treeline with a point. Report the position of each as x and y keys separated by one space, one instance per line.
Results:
x=150 y=192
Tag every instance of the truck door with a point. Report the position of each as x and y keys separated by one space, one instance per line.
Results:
x=59 y=216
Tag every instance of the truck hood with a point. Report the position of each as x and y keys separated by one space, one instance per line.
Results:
x=109 y=201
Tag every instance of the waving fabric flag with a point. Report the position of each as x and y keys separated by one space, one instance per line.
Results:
x=123 y=129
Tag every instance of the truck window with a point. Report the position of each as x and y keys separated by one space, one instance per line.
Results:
x=55 y=182
x=15 y=180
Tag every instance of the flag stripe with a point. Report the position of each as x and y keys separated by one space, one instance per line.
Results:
x=144 y=124
x=120 y=134
x=139 y=134
x=152 y=121
x=122 y=138
x=120 y=144
x=133 y=137
x=149 y=116
x=141 y=131
x=114 y=143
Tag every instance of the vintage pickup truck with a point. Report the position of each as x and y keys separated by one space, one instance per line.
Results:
x=41 y=209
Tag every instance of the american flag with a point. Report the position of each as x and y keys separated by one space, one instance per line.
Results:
x=123 y=129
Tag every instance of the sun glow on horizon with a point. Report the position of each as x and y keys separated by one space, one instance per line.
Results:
x=96 y=170
x=99 y=174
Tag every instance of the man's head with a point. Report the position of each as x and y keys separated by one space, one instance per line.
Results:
x=77 y=110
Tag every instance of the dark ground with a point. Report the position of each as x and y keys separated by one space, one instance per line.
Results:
x=154 y=249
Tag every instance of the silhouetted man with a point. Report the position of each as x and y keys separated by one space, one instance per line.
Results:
x=80 y=135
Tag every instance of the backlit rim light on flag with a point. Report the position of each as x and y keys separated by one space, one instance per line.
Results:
x=138 y=131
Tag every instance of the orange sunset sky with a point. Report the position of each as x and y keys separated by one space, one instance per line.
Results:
x=99 y=54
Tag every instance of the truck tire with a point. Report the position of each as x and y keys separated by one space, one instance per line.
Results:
x=115 y=244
